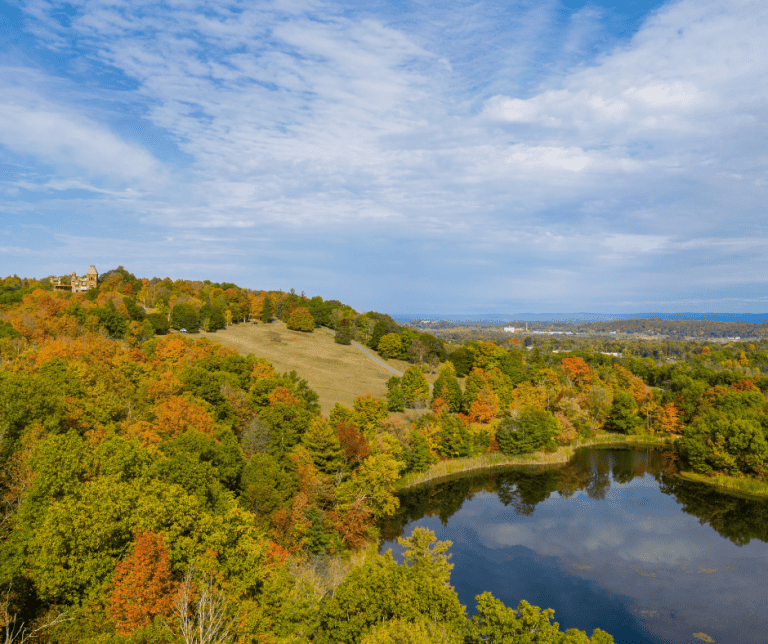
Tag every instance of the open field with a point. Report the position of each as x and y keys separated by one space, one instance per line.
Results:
x=338 y=373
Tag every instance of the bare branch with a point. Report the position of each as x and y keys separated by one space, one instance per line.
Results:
x=14 y=633
x=204 y=620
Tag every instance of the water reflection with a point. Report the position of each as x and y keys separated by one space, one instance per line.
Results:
x=612 y=539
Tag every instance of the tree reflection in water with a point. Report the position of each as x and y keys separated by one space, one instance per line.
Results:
x=591 y=470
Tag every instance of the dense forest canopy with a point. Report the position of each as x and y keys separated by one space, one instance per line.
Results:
x=155 y=483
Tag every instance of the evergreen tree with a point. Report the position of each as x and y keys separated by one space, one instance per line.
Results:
x=418 y=458
x=455 y=441
x=395 y=400
x=447 y=387
x=266 y=311
x=379 y=331
x=323 y=444
x=344 y=332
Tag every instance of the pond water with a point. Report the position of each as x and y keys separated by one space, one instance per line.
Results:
x=612 y=540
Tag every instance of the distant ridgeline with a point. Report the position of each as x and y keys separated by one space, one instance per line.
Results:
x=676 y=325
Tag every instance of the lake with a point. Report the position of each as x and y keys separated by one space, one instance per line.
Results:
x=612 y=540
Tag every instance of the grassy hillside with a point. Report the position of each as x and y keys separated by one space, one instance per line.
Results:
x=336 y=372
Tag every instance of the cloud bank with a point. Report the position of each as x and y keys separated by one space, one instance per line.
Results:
x=489 y=158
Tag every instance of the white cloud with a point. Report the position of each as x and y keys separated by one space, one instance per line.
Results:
x=31 y=124
x=572 y=159
x=490 y=130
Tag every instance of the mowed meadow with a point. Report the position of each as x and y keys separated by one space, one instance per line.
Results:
x=337 y=372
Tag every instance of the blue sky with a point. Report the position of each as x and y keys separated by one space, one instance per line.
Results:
x=406 y=157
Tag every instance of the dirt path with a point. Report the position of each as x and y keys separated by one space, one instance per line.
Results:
x=368 y=353
x=376 y=358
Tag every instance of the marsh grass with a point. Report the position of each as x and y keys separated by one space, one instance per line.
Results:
x=746 y=486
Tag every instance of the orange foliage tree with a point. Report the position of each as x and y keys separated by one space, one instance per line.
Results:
x=576 y=369
x=176 y=415
x=669 y=419
x=439 y=404
x=486 y=406
x=282 y=395
x=142 y=585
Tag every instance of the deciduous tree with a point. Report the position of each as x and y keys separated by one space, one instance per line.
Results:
x=142 y=585
x=301 y=319
x=415 y=386
x=390 y=345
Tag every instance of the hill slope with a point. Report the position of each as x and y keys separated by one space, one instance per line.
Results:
x=336 y=372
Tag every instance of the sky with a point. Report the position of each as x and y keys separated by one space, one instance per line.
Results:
x=400 y=156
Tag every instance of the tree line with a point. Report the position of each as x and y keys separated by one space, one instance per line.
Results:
x=163 y=488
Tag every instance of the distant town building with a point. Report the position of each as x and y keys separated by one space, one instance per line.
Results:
x=509 y=329
x=84 y=283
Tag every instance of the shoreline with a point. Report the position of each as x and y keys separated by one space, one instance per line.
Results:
x=449 y=468
x=748 y=487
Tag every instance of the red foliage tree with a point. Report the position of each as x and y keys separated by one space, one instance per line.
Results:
x=354 y=443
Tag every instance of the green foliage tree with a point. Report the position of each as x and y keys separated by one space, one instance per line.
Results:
x=212 y=317
x=344 y=332
x=379 y=331
x=287 y=424
x=323 y=444
x=184 y=316
x=159 y=323
x=390 y=345
x=265 y=486
x=381 y=590
x=512 y=365
x=8 y=331
x=530 y=430
x=134 y=310
x=421 y=630
x=415 y=386
x=206 y=385
x=462 y=360
x=455 y=440
x=395 y=399
x=447 y=387
x=266 y=311
x=685 y=393
x=417 y=457
x=623 y=416
x=494 y=622
x=114 y=322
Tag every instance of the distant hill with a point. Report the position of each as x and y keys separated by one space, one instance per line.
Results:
x=581 y=317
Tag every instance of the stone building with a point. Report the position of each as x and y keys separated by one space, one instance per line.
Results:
x=84 y=283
